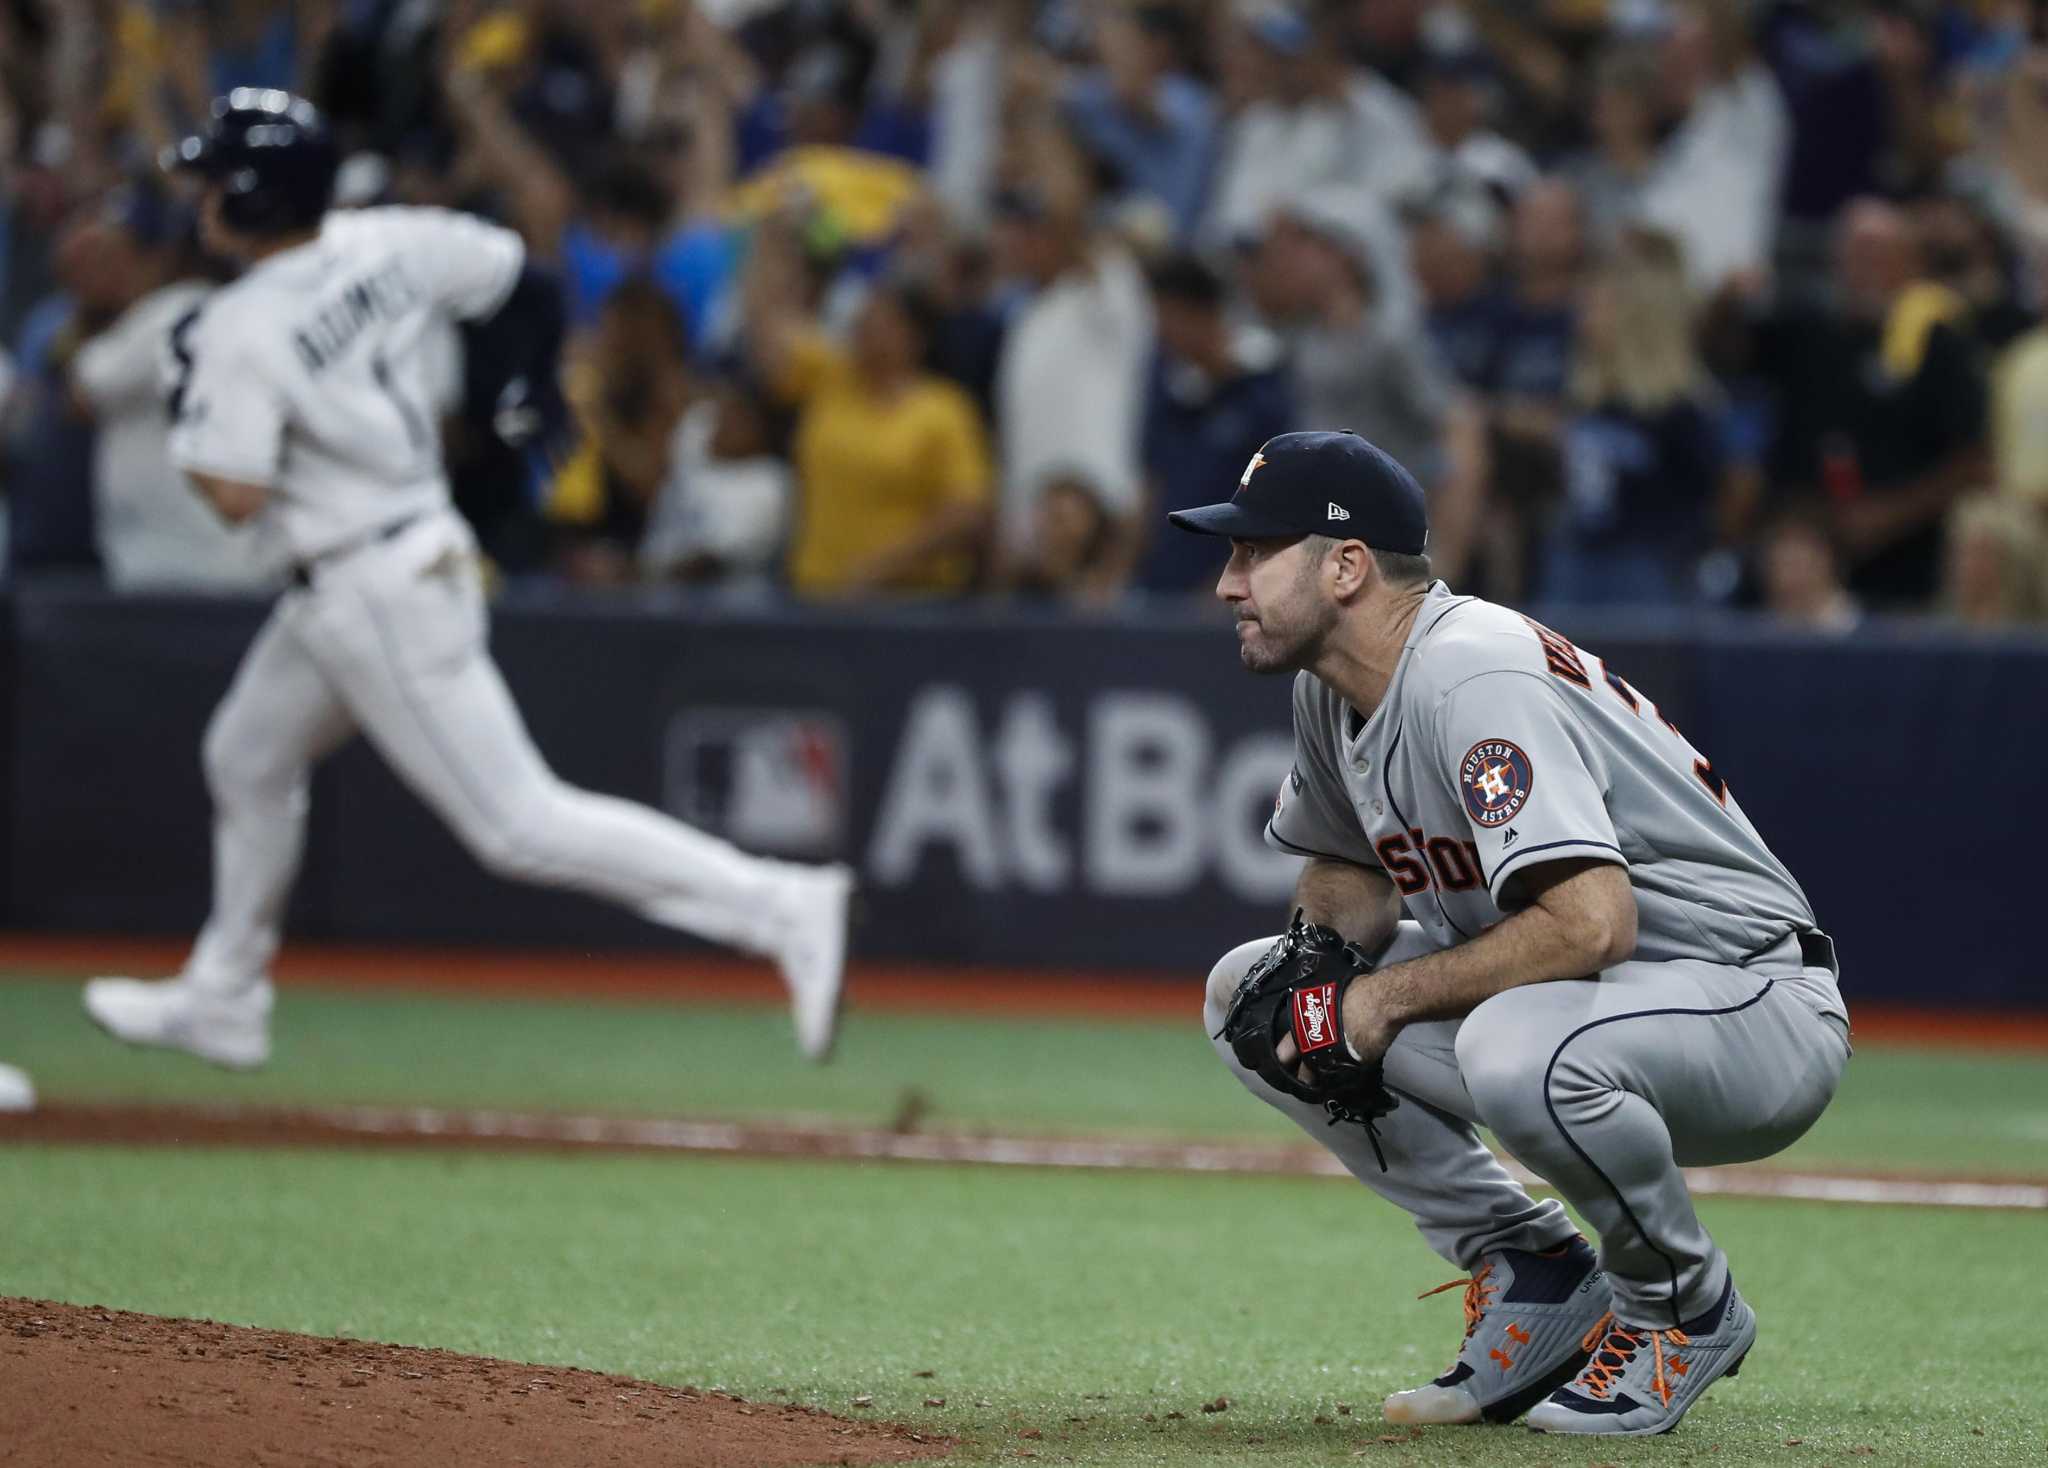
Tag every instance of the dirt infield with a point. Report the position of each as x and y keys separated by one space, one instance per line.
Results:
x=83 y=1385
x=436 y=1127
x=902 y=987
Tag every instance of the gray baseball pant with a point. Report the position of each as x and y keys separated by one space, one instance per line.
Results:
x=1602 y=1087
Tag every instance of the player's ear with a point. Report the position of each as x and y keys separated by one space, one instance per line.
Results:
x=1351 y=569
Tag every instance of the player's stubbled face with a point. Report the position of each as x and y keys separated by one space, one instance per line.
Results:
x=1274 y=587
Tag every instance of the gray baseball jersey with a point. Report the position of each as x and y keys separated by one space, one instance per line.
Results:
x=1500 y=746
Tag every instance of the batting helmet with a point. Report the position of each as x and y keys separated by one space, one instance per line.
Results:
x=271 y=154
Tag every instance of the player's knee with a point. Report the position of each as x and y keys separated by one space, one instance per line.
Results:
x=1224 y=978
x=512 y=839
x=238 y=766
x=1501 y=1069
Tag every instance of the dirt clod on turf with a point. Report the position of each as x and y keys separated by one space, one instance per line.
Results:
x=86 y=1385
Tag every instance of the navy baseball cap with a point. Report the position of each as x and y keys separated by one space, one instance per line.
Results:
x=1320 y=483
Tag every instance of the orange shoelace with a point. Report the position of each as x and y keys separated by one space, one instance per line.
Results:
x=1478 y=1295
x=1614 y=1345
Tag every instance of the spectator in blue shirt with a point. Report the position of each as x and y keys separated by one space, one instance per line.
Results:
x=1641 y=446
x=1141 y=113
x=1218 y=391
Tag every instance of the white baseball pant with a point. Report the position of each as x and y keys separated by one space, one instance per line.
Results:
x=390 y=639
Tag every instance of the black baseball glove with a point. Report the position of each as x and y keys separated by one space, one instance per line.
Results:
x=1297 y=987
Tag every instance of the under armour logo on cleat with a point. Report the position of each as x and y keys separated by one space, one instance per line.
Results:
x=1337 y=511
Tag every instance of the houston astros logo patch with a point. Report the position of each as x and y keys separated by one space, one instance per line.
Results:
x=1495 y=777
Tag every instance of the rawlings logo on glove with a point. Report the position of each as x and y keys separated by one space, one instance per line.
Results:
x=1297 y=988
x=1315 y=1026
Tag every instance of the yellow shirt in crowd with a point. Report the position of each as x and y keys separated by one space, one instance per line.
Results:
x=872 y=472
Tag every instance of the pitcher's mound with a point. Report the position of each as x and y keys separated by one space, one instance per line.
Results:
x=92 y=1386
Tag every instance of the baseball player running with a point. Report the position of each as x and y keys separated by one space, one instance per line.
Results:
x=298 y=400
x=1600 y=960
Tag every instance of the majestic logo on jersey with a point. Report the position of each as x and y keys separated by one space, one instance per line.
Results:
x=1495 y=777
x=1338 y=512
x=1258 y=462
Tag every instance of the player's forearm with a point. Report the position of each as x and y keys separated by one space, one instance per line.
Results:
x=1582 y=921
x=232 y=499
x=1356 y=901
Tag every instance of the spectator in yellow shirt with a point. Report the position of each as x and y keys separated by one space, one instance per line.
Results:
x=894 y=477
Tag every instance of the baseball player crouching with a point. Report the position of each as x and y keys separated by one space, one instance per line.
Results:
x=299 y=400
x=1529 y=904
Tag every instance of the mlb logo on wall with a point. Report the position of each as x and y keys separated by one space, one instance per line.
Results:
x=772 y=780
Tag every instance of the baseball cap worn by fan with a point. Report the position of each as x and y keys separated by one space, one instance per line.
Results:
x=1320 y=483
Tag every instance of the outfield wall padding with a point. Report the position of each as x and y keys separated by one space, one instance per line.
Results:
x=1017 y=788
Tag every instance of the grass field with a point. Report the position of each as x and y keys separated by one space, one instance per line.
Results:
x=1073 y=1305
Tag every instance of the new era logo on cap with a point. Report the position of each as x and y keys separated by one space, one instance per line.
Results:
x=1338 y=512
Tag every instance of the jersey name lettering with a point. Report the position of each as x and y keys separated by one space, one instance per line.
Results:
x=384 y=294
x=1416 y=860
x=1562 y=658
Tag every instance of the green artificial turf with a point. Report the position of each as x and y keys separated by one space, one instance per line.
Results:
x=1897 y=1111
x=1070 y=1304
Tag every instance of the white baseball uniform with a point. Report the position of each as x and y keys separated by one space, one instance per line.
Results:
x=309 y=375
x=1499 y=746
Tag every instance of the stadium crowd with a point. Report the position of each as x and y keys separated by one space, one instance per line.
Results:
x=1666 y=302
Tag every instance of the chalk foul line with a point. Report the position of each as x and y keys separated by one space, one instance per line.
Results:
x=427 y=1126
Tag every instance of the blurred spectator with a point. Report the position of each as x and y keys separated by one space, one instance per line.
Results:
x=1357 y=367
x=1641 y=449
x=152 y=531
x=48 y=448
x=1611 y=179
x=955 y=272
x=617 y=218
x=722 y=515
x=1802 y=573
x=1458 y=86
x=893 y=473
x=1453 y=239
x=965 y=41
x=629 y=386
x=1070 y=384
x=1532 y=347
x=2019 y=420
x=1996 y=570
x=1070 y=540
x=1841 y=120
x=1964 y=252
x=1881 y=404
x=1528 y=365
x=1218 y=392
x=1141 y=112
x=208 y=47
x=1320 y=123
x=827 y=164
x=1718 y=177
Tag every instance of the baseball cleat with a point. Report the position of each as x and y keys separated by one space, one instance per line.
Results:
x=813 y=955
x=1640 y=1381
x=17 y=1093
x=1526 y=1319
x=229 y=1028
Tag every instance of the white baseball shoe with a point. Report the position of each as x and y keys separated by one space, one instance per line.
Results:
x=228 y=1027
x=1640 y=1381
x=813 y=953
x=17 y=1092
x=1526 y=1318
